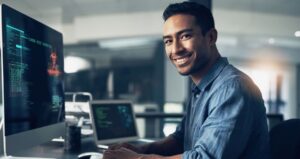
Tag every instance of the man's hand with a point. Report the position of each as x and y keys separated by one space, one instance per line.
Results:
x=127 y=146
x=127 y=151
x=121 y=153
x=167 y=148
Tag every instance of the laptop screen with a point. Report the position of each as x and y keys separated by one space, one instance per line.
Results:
x=113 y=120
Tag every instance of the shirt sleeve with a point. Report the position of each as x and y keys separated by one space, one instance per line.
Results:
x=225 y=132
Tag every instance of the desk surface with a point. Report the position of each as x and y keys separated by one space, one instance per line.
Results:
x=56 y=149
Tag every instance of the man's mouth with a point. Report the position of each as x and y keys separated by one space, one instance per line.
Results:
x=180 y=61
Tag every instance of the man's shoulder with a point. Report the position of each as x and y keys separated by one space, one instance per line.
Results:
x=232 y=79
x=233 y=83
x=231 y=75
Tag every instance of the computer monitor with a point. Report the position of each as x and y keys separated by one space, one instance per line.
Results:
x=32 y=81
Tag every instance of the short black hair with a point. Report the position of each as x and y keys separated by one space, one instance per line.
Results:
x=203 y=15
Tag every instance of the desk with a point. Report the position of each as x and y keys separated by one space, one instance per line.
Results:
x=56 y=149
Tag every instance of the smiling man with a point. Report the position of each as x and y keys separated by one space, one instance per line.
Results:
x=226 y=117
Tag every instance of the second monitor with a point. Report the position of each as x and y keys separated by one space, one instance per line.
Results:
x=113 y=121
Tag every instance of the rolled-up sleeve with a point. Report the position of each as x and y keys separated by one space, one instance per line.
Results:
x=226 y=131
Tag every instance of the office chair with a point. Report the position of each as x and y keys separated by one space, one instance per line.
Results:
x=285 y=140
x=274 y=119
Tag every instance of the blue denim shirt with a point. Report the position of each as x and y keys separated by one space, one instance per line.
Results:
x=226 y=117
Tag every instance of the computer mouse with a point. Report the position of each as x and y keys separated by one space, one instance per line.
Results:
x=90 y=155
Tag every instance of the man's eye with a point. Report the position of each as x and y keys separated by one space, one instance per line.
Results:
x=167 y=42
x=185 y=36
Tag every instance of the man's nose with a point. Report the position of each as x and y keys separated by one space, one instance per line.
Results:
x=177 y=47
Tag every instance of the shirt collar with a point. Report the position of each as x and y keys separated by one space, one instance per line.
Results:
x=213 y=72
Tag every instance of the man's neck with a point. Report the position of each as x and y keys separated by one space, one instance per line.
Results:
x=197 y=77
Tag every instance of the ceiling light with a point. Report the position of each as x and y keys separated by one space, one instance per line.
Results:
x=227 y=40
x=271 y=40
x=297 y=33
x=74 y=64
x=125 y=42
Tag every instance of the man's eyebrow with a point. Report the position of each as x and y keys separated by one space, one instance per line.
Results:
x=178 y=33
x=166 y=36
x=184 y=30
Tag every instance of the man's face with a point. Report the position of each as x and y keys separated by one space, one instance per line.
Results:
x=185 y=45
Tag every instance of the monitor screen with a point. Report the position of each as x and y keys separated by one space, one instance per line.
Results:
x=113 y=120
x=32 y=74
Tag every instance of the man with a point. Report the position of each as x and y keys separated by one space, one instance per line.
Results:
x=226 y=115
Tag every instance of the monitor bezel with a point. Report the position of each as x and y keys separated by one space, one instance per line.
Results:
x=113 y=140
x=15 y=143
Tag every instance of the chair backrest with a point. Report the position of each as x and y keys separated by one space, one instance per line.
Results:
x=285 y=140
x=274 y=119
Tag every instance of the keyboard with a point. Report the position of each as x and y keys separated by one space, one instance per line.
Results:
x=90 y=155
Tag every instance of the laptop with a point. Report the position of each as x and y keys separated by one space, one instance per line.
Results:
x=113 y=121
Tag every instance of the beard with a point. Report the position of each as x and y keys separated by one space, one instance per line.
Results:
x=198 y=65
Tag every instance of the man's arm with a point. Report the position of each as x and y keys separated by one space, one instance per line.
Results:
x=166 y=147
x=162 y=149
x=124 y=153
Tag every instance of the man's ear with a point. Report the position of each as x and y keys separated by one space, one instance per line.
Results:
x=212 y=35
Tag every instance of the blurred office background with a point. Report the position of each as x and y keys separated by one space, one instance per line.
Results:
x=113 y=49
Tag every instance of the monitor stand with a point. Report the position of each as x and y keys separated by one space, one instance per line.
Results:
x=3 y=156
x=1 y=139
x=13 y=157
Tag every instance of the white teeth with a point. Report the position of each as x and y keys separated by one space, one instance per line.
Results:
x=181 y=60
